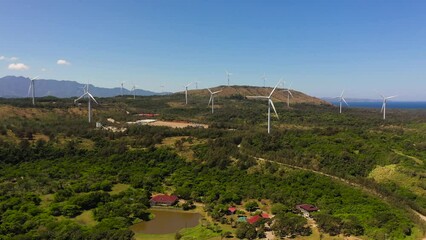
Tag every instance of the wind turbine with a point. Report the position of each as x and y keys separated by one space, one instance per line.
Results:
x=288 y=94
x=89 y=98
x=270 y=103
x=228 y=74
x=32 y=89
x=385 y=99
x=134 y=91
x=122 y=84
x=342 y=99
x=186 y=92
x=264 y=79
x=212 y=98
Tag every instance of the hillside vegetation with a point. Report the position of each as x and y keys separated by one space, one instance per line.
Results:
x=62 y=177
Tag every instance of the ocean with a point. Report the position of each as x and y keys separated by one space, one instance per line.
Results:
x=390 y=104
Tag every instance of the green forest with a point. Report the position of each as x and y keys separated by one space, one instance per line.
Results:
x=366 y=175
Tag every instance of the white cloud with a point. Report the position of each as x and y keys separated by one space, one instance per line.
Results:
x=10 y=59
x=63 y=62
x=18 y=66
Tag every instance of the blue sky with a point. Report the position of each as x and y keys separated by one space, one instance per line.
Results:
x=322 y=47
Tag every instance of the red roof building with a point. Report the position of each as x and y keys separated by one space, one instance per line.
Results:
x=232 y=210
x=163 y=200
x=307 y=207
x=254 y=219
x=265 y=215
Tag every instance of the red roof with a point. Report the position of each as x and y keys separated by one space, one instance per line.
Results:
x=307 y=207
x=265 y=215
x=164 y=198
x=254 y=219
x=232 y=209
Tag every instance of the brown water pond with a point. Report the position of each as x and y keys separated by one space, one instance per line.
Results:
x=167 y=221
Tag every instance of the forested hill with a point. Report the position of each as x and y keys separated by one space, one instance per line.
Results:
x=280 y=95
x=17 y=87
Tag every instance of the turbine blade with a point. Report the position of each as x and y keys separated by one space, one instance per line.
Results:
x=217 y=92
x=29 y=89
x=34 y=78
x=345 y=101
x=211 y=96
x=91 y=96
x=273 y=107
x=210 y=90
x=82 y=96
x=392 y=97
x=274 y=88
x=383 y=106
x=290 y=93
x=341 y=95
x=264 y=97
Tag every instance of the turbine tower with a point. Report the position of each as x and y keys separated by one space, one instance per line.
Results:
x=212 y=98
x=89 y=98
x=228 y=74
x=270 y=103
x=186 y=92
x=385 y=100
x=342 y=99
x=32 y=89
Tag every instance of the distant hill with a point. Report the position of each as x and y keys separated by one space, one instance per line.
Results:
x=17 y=87
x=278 y=96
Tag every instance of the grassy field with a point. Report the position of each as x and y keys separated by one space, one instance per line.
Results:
x=399 y=175
x=118 y=188
x=86 y=218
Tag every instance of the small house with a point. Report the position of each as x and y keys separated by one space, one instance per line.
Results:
x=163 y=200
x=242 y=219
x=306 y=209
x=231 y=210
x=254 y=219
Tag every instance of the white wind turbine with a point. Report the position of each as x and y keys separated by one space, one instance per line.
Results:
x=228 y=74
x=32 y=89
x=287 y=90
x=212 y=98
x=122 y=84
x=342 y=99
x=134 y=91
x=186 y=91
x=89 y=98
x=264 y=79
x=385 y=99
x=270 y=103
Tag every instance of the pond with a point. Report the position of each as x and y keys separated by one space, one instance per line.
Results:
x=167 y=221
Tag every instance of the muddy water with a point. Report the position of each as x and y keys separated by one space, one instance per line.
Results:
x=167 y=221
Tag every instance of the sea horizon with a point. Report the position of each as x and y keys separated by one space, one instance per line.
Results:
x=389 y=105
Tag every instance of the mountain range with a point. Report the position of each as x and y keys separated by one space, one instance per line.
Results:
x=17 y=87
